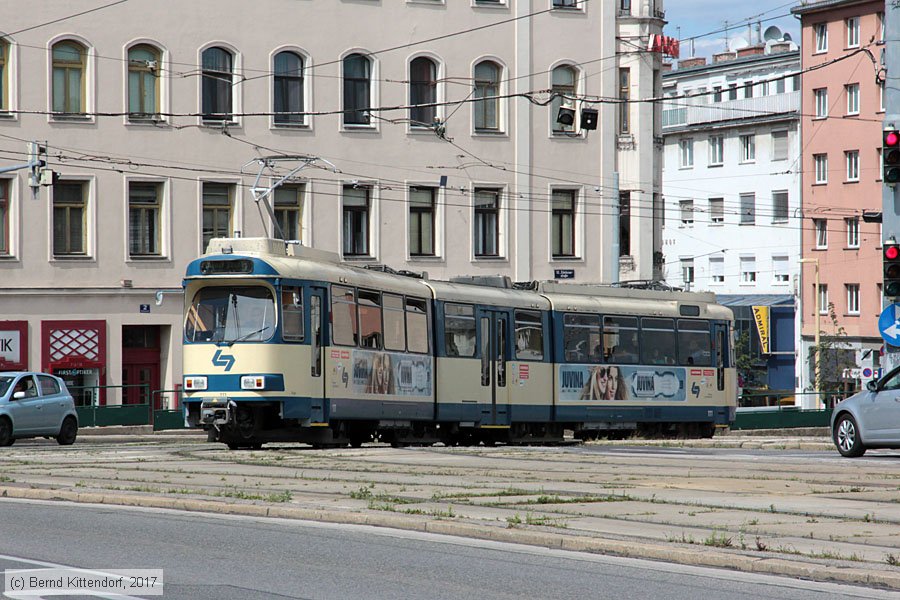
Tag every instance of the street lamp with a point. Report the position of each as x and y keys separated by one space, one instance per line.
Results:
x=818 y=309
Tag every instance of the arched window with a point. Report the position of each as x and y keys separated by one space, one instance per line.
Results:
x=143 y=82
x=357 y=89
x=288 y=90
x=422 y=90
x=487 y=102
x=563 y=87
x=68 y=77
x=4 y=76
x=218 y=78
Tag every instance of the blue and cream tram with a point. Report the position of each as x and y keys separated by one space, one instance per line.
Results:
x=285 y=343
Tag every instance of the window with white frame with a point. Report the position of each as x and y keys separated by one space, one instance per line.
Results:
x=218 y=201
x=686 y=153
x=821 y=35
x=852 y=298
x=748 y=269
x=779 y=145
x=68 y=85
x=687 y=212
x=717 y=269
x=852 y=25
x=823 y=299
x=4 y=76
x=852 y=91
x=143 y=82
x=821 y=100
x=287 y=89
x=748 y=147
x=780 y=210
x=144 y=202
x=356 y=211
x=357 y=74
x=486 y=233
x=687 y=270
x=288 y=207
x=624 y=107
x=422 y=220
x=4 y=216
x=563 y=80
x=852 y=232
x=821 y=229
x=780 y=268
x=851 y=159
x=821 y=164
x=422 y=92
x=216 y=103
x=748 y=209
x=70 y=218
x=486 y=105
x=716 y=150
x=716 y=211
x=563 y=224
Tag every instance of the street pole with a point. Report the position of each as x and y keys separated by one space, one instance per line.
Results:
x=890 y=210
x=818 y=334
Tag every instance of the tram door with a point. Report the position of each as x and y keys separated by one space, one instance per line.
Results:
x=317 y=320
x=494 y=329
x=722 y=346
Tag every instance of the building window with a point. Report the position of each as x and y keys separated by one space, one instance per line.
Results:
x=717 y=269
x=421 y=221
x=851 y=158
x=823 y=299
x=748 y=269
x=779 y=145
x=716 y=211
x=821 y=35
x=852 y=32
x=69 y=69
x=563 y=223
x=625 y=223
x=143 y=82
x=852 y=91
x=486 y=106
x=821 y=98
x=748 y=89
x=144 y=200
x=821 y=162
x=780 y=207
x=852 y=232
x=357 y=89
x=852 y=298
x=748 y=148
x=422 y=92
x=625 y=6
x=716 y=150
x=687 y=212
x=748 y=209
x=780 y=85
x=563 y=92
x=564 y=4
x=218 y=81
x=4 y=216
x=287 y=90
x=717 y=94
x=4 y=73
x=356 y=220
x=780 y=269
x=821 y=228
x=288 y=207
x=217 y=200
x=70 y=218
x=686 y=152
x=624 y=104
x=732 y=91
x=486 y=236
x=687 y=271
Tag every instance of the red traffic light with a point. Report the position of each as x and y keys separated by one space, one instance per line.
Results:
x=891 y=138
x=891 y=252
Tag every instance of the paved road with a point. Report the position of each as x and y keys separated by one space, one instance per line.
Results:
x=244 y=558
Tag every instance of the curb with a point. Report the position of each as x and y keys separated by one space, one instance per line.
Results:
x=705 y=557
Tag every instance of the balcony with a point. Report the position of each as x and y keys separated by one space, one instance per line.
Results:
x=697 y=111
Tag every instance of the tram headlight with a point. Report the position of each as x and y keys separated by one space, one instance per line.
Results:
x=253 y=382
x=194 y=384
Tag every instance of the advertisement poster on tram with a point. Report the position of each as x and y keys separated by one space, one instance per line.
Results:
x=384 y=373
x=616 y=382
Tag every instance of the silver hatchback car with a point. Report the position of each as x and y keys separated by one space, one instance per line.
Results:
x=869 y=419
x=36 y=405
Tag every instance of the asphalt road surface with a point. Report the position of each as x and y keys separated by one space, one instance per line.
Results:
x=241 y=558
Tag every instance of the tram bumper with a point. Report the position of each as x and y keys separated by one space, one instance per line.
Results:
x=217 y=412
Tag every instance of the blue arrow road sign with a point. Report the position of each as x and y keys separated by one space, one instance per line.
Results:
x=889 y=324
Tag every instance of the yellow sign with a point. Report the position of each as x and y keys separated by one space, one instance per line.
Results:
x=761 y=315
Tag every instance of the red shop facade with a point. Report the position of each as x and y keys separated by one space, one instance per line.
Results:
x=76 y=352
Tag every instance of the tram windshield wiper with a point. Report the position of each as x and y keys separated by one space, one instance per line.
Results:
x=247 y=336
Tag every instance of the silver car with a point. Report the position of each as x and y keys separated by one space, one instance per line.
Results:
x=36 y=405
x=869 y=419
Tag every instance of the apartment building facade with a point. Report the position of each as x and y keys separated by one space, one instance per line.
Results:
x=439 y=147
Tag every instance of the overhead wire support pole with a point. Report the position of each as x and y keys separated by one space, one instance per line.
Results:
x=890 y=206
x=36 y=164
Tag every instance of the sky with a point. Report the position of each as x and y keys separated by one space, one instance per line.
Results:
x=688 y=18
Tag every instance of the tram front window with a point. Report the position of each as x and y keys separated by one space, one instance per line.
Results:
x=239 y=314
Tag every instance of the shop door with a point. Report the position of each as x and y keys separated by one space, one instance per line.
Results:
x=141 y=365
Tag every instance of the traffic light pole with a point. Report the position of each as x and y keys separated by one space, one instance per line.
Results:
x=890 y=200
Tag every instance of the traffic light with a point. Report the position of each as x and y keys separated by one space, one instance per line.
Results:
x=890 y=156
x=891 y=253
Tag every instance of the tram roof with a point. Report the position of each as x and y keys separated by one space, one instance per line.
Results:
x=482 y=294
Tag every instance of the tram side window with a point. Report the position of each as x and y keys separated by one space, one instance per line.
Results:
x=529 y=335
x=694 y=343
x=658 y=341
x=292 y=314
x=343 y=316
x=394 y=326
x=459 y=329
x=370 y=319
x=417 y=325
x=581 y=338
x=620 y=340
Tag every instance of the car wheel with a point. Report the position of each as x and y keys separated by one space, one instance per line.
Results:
x=68 y=432
x=6 y=438
x=846 y=437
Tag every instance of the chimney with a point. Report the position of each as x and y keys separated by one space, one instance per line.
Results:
x=723 y=57
x=780 y=47
x=666 y=67
x=750 y=51
x=696 y=61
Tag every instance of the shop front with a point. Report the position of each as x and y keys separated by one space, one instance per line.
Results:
x=76 y=352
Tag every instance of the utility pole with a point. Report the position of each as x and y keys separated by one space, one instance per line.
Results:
x=37 y=162
x=890 y=199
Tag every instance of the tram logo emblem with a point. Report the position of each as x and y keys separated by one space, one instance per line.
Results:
x=223 y=360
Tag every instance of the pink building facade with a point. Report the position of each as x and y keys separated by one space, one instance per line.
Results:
x=842 y=110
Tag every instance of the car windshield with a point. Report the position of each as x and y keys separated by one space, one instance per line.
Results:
x=231 y=314
x=5 y=382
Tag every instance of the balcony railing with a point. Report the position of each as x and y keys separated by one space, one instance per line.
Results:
x=694 y=111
